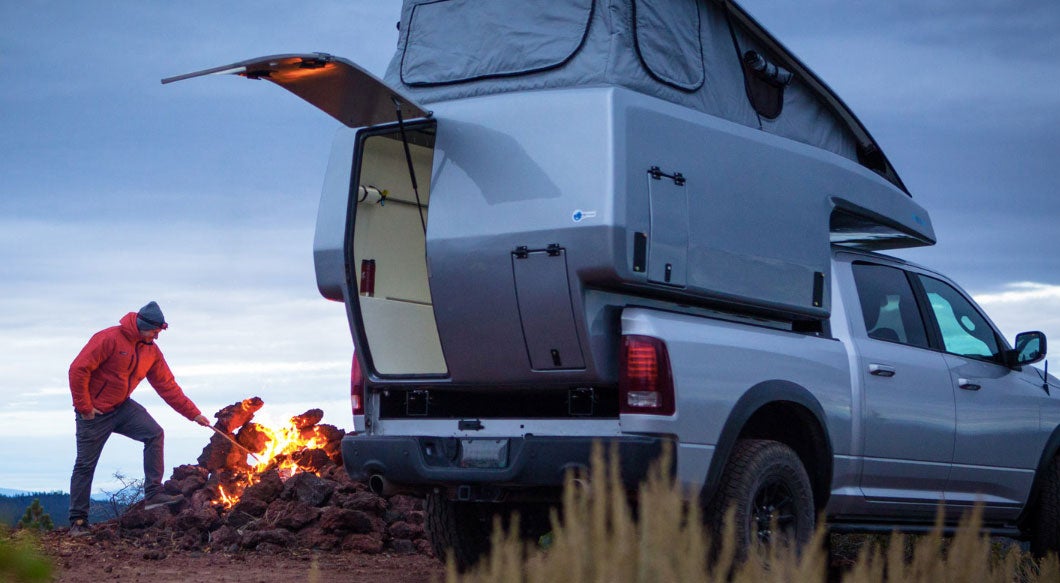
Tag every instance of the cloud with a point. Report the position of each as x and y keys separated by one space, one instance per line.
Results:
x=946 y=63
x=1020 y=292
x=1022 y=306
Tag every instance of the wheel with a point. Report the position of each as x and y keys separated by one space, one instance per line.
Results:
x=464 y=528
x=1046 y=535
x=460 y=528
x=766 y=483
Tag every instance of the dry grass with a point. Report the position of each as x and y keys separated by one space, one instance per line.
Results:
x=597 y=540
x=21 y=559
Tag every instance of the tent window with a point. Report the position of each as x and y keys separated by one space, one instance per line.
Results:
x=765 y=82
x=667 y=39
x=445 y=41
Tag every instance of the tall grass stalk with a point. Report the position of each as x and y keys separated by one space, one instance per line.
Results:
x=597 y=538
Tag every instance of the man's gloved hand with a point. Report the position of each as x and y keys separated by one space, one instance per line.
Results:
x=202 y=420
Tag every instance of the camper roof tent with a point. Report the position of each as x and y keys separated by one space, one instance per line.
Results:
x=708 y=55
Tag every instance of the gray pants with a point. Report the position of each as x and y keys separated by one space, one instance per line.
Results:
x=129 y=419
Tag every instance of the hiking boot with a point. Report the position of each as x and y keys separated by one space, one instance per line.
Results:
x=79 y=528
x=162 y=499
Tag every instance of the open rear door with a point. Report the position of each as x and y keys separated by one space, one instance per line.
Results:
x=340 y=88
x=380 y=259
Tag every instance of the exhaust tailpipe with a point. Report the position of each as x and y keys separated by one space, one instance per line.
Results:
x=380 y=486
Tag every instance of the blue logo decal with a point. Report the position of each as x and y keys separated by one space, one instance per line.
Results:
x=579 y=215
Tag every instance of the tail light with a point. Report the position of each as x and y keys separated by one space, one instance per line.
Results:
x=645 y=384
x=356 y=387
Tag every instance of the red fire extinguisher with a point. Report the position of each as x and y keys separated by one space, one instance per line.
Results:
x=368 y=277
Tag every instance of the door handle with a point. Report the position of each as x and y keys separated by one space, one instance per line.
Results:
x=968 y=385
x=881 y=370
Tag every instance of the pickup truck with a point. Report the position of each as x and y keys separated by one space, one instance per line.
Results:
x=556 y=224
x=909 y=401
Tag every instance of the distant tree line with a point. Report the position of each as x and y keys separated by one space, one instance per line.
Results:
x=56 y=505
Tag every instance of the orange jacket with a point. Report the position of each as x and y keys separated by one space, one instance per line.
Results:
x=114 y=362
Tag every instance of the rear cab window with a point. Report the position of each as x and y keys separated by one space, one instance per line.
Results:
x=888 y=305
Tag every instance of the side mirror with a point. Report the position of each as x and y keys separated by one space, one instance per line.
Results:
x=1030 y=348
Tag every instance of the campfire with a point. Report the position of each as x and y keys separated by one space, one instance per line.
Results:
x=303 y=444
x=265 y=488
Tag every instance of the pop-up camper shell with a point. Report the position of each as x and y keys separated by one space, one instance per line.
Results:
x=529 y=168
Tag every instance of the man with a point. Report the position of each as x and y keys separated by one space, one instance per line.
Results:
x=102 y=377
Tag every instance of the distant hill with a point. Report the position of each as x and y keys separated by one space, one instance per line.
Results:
x=10 y=492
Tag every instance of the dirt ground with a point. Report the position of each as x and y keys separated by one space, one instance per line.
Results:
x=90 y=561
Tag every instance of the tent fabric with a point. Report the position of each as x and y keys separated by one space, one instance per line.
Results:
x=688 y=52
x=445 y=43
x=662 y=30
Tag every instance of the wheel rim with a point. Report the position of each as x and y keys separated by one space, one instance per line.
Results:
x=773 y=505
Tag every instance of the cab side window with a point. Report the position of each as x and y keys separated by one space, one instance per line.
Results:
x=965 y=331
x=888 y=305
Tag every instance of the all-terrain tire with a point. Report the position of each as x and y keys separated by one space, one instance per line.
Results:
x=463 y=528
x=1046 y=534
x=763 y=481
x=460 y=528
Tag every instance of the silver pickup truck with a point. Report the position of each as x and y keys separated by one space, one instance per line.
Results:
x=646 y=223
x=911 y=400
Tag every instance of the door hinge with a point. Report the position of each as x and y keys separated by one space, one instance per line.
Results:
x=657 y=174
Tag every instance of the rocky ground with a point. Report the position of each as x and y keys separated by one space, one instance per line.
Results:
x=92 y=560
x=308 y=528
x=313 y=524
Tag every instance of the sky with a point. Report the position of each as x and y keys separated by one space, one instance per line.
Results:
x=116 y=190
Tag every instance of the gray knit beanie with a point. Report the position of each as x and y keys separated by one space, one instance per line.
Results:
x=150 y=318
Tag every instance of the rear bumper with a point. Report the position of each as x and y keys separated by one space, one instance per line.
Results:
x=413 y=462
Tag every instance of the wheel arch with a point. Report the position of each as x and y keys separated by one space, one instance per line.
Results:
x=755 y=415
x=1049 y=452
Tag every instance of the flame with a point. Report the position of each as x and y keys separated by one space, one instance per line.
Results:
x=225 y=500
x=282 y=442
x=282 y=449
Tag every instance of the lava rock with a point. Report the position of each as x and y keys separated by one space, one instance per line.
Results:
x=268 y=488
x=186 y=470
x=417 y=517
x=236 y=415
x=276 y=536
x=312 y=459
x=251 y=506
x=316 y=539
x=307 y=488
x=365 y=501
x=399 y=530
x=252 y=437
x=238 y=519
x=307 y=419
x=223 y=537
x=186 y=486
x=203 y=519
x=137 y=517
x=335 y=519
x=291 y=514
